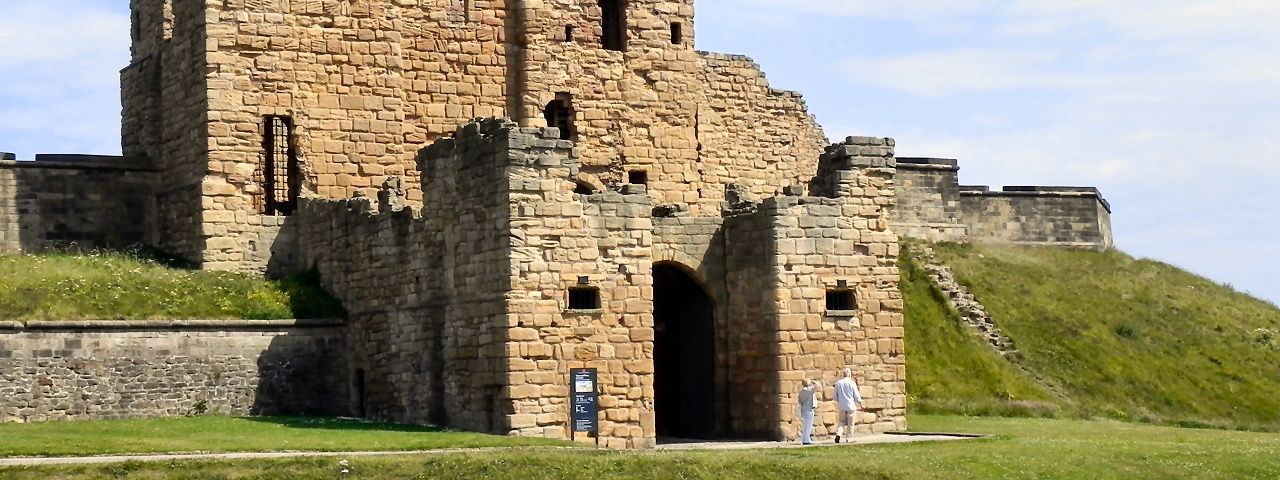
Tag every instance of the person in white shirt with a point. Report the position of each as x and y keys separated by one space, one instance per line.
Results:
x=848 y=399
x=808 y=405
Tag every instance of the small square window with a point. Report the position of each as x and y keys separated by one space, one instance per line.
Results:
x=840 y=301
x=638 y=177
x=584 y=298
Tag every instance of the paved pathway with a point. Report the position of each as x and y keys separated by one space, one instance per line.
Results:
x=676 y=446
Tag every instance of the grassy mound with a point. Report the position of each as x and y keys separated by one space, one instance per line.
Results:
x=1114 y=336
x=123 y=287
x=951 y=371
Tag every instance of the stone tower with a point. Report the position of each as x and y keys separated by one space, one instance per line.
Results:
x=250 y=104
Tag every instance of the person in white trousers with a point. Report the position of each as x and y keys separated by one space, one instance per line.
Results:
x=847 y=401
x=808 y=405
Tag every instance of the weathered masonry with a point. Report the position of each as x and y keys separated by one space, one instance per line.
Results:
x=932 y=205
x=501 y=191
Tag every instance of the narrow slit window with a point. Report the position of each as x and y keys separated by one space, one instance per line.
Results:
x=568 y=34
x=677 y=33
x=584 y=298
x=840 y=301
x=613 y=24
x=559 y=114
x=638 y=177
x=281 y=172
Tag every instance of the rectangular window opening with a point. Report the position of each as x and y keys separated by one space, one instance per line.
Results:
x=568 y=34
x=638 y=177
x=677 y=33
x=559 y=114
x=613 y=25
x=584 y=298
x=282 y=174
x=841 y=300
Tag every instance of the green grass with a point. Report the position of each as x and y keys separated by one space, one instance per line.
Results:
x=124 y=287
x=1115 y=336
x=227 y=434
x=1024 y=448
x=949 y=370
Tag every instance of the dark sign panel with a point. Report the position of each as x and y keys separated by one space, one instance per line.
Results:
x=584 y=400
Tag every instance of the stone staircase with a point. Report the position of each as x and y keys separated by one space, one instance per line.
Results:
x=963 y=302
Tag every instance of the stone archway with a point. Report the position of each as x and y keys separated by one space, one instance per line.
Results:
x=684 y=354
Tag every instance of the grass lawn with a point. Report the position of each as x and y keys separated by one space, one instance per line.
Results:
x=113 y=286
x=226 y=434
x=1023 y=448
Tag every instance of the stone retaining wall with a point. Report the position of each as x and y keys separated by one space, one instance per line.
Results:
x=1055 y=216
x=97 y=370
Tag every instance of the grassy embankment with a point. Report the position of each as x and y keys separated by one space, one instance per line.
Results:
x=1102 y=335
x=122 y=287
x=1025 y=448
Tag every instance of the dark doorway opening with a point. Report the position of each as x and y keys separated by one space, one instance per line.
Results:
x=684 y=355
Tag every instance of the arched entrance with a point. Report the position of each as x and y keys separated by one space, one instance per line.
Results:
x=684 y=354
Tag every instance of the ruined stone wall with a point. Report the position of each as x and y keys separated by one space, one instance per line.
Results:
x=385 y=267
x=1057 y=216
x=509 y=320
x=927 y=192
x=95 y=370
x=468 y=206
x=73 y=201
x=817 y=245
x=165 y=116
x=751 y=135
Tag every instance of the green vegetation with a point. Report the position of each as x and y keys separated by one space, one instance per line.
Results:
x=226 y=434
x=1025 y=448
x=949 y=370
x=128 y=287
x=1109 y=335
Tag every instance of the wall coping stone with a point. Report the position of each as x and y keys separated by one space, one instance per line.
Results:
x=1043 y=192
x=80 y=162
x=8 y=156
x=919 y=163
x=120 y=325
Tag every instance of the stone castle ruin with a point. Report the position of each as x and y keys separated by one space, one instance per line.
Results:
x=499 y=191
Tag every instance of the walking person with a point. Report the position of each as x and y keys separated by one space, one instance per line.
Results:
x=808 y=406
x=848 y=399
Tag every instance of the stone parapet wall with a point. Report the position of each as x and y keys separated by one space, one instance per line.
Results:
x=75 y=201
x=1056 y=216
x=97 y=370
x=927 y=197
x=932 y=205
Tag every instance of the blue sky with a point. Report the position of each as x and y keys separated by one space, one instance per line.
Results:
x=1171 y=107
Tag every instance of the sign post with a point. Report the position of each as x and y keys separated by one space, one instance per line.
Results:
x=584 y=402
